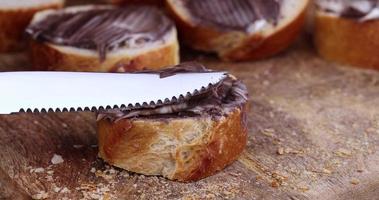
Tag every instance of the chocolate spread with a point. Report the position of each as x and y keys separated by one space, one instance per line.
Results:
x=215 y=101
x=353 y=9
x=240 y=15
x=102 y=28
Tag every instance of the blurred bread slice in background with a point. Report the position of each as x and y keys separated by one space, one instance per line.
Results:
x=347 y=32
x=239 y=30
x=126 y=39
x=15 y=15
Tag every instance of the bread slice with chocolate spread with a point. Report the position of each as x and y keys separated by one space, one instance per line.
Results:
x=186 y=139
x=103 y=38
x=347 y=32
x=239 y=30
x=15 y=15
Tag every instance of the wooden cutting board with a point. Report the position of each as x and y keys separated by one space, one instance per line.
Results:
x=314 y=134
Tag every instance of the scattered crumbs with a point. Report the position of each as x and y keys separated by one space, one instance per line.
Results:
x=78 y=146
x=354 y=181
x=288 y=150
x=278 y=179
x=360 y=170
x=64 y=125
x=41 y=195
x=57 y=159
x=278 y=176
x=65 y=190
x=50 y=172
x=280 y=151
x=125 y=174
x=343 y=152
x=95 y=196
x=93 y=170
x=49 y=178
x=303 y=187
x=268 y=132
x=96 y=191
x=134 y=185
x=274 y=184
x=235 y=174
x=37 y=170
x=56 y=189
x=109 y=174
x=326 y=171
x=112 y=171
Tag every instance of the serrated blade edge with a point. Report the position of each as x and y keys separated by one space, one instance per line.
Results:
x=73 y=91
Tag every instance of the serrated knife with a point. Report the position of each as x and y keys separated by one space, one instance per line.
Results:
x=72 y=91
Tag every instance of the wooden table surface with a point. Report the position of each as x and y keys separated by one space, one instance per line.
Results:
x=314 y=134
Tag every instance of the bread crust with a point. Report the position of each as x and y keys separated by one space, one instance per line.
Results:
x=236 y=46
x=131 y=144
x=47 y=57
x=347 y=41
x=268 y=46
x=13 y=23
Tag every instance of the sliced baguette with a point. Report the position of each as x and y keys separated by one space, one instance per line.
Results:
x=15 y=17
x=347 y=41
x=183 y=140
x=237 y=45
x=184 y=149
x=48 y=56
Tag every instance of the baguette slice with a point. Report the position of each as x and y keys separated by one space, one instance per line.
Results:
x=240 y=45
x=15 y=17
x=347 y=41
x=154 y=55
x=179 y=145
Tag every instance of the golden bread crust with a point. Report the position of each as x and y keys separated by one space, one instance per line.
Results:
x=235 y=46
x=183 y=149
x=13 y=23
x=347 y=41
x=46 y=57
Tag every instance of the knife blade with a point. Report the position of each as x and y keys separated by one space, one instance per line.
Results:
x=72 y=91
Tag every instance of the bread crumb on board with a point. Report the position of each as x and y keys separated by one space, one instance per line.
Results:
x=354 y=181
x=41 y=195
x=341 y=152
x=57 y=159
x=37 y=170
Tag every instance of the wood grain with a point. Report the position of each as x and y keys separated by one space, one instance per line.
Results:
x=314 y=134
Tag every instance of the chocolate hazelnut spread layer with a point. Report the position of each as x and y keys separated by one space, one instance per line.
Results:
x=362 y=10
x=215 y=101
x=102 y=28
x=240 y=15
